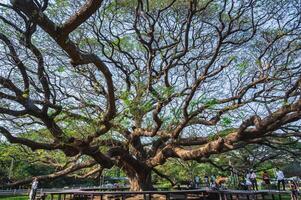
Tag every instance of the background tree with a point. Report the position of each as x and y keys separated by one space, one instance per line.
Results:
x=134 y=83
x=268 y=155
x=18 y=164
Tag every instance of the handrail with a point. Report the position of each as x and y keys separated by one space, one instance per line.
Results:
x=168 y=194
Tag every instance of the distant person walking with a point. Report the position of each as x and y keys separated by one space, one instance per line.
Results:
x=34 y=187
x=253 y=180
x=266 y=179
x=280 y=179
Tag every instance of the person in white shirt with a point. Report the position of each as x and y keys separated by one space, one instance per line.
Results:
x=34 y=187
x=253 y=180
x=196 y=181
x=280 y=179
x=248 y=182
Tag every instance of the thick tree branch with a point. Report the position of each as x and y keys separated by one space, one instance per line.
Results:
x=70 y=169
x=81 y=16
x=246 y=133
x=31 y=144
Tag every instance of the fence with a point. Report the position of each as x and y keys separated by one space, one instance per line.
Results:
x=168 y=195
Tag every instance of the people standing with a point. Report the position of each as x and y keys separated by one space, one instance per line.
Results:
x=253 y=180
x=248 y=182
x=266 y=179
x=34 y=187
x=294 y=190
x=280 y=179
x=206 y=181
x=213 y=182
x=220 y=182
x=196 y=182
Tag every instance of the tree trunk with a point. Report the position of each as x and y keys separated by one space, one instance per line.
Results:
x=140 y=181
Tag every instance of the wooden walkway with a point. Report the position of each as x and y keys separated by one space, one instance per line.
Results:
x=167 y=195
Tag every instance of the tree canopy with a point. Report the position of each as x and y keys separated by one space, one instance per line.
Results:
x=134 y=83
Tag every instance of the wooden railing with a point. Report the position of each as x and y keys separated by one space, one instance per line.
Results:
x=168 y=195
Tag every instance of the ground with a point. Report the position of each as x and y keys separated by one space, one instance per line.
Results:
x=287 y=197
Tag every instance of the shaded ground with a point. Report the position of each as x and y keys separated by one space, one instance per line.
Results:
x=155 y=197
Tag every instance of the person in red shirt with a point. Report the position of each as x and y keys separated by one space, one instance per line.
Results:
x=294 y=189
x=266 y=179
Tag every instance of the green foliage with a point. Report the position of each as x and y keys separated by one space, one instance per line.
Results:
x=27 y=164
x=113 y=172
x=126 y=43
x=195 y=102
x=211 y=103
x=25 y=94
x=132 y=106
x=21 y=161
x=135 y=105
x=153 y=5
x=56 y=6
x=285 y=102
x=233 y=58
x=226 y=121
x=183 y=172
x=225 y=17
x=61 y=69
x=243 y=66
x=88 y=41
x=202 y=100
x=15 y=198
x=223 y=133
x=167 y=92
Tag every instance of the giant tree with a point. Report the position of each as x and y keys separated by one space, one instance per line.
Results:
x=133 y=83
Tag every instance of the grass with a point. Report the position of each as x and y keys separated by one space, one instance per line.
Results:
x=283 y=197
x=22 y=197
x=15 y=198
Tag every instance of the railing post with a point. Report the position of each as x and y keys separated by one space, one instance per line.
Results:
x=220 y=195
x=43 y=197
x=225 y=196
x=167 y=196
x=147 y=196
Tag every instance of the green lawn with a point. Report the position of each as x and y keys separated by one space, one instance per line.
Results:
x=20 y=198
x=15 y=198
x=286 y=197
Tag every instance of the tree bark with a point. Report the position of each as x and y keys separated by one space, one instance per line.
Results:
x=141 y=180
